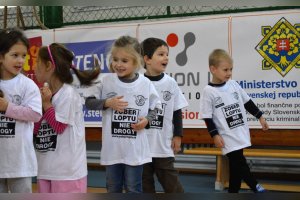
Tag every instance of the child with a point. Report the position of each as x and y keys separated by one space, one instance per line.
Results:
x=165 y=131
x=20 y=107
x=60 y=134
x=222 y=106
x=125 y=100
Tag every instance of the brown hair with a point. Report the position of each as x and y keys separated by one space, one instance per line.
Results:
x=217 y=56
x=62 y=58
x=10 y=37
x=150 y=45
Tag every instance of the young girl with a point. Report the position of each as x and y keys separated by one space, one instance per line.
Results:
x=19 y=108
x=60 y=134
x=125 y=98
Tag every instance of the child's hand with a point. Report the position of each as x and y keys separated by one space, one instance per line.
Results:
x=46 y=94
x=3 y=104
x=219 y=142
x=142 y=123
x=263 y=123
x=176 y=144
x=46 y=97
x=116 y=103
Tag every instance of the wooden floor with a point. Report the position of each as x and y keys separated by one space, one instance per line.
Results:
x=89 y=190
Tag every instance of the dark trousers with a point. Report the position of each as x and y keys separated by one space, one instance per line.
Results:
x=166 y=174
x=239 y=170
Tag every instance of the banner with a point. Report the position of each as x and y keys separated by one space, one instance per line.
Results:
x=266 y=54
x=264 y=46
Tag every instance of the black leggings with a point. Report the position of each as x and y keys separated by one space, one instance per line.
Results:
x=239 y=170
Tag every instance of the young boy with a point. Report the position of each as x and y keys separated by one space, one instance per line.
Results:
x=165 y=130
x=222 y=106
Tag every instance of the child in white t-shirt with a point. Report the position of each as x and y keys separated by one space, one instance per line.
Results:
x=19 y=108
x=60 y=134
x=223 y=106
x=125 y=98
x=166 y=130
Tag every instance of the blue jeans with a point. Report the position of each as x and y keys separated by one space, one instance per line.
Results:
x=120 y=175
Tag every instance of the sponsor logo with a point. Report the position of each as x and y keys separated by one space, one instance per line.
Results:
x=280 y=47
x=189 y=39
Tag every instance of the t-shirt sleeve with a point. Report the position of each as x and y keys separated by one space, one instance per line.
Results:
x=206 y=104
x=244 y=95
x=154 y=100
x=179 y=99
x=68 y=107
x=32 y=98
x=94 y=91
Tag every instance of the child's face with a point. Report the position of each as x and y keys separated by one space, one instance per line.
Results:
x=123 y=64
x=12 y=62
x=41 y=71
x=159 y=61
x=222 y=72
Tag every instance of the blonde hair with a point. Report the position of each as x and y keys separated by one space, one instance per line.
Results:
x=217 y=56
x=131 y=46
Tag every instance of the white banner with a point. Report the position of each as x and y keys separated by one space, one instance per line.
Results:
x=266 y=53
x=264 y=46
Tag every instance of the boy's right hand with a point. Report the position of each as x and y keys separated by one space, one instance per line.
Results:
x=219 y=142
x=116 y=103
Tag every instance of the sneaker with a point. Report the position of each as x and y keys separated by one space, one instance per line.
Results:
x=260 y=189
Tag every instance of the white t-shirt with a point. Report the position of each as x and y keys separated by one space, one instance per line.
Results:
x=17 y=156
x=225 y=105
x=160 y=134
x=120 y=144
x=63 y=156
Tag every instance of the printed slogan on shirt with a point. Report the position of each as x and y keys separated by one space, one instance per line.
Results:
x=158 y=121
x=7 y=126
x=233 y=115
x=46 y=138
x=121 y=123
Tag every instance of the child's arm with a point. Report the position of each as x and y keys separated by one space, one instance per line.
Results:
x=213 y=131
x=176 y=144
x=49 y=114
x=263 y=123
x=141 y=124
x=178 y=131
x=218 y=141
x=92 y=103
x=254 y=110
x=116 y=103
x=57 y=126
x=144 y=122
x=18 y=112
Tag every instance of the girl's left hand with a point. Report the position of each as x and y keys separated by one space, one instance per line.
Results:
x=142 y=123
x=46 y=94
x=46 y=97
